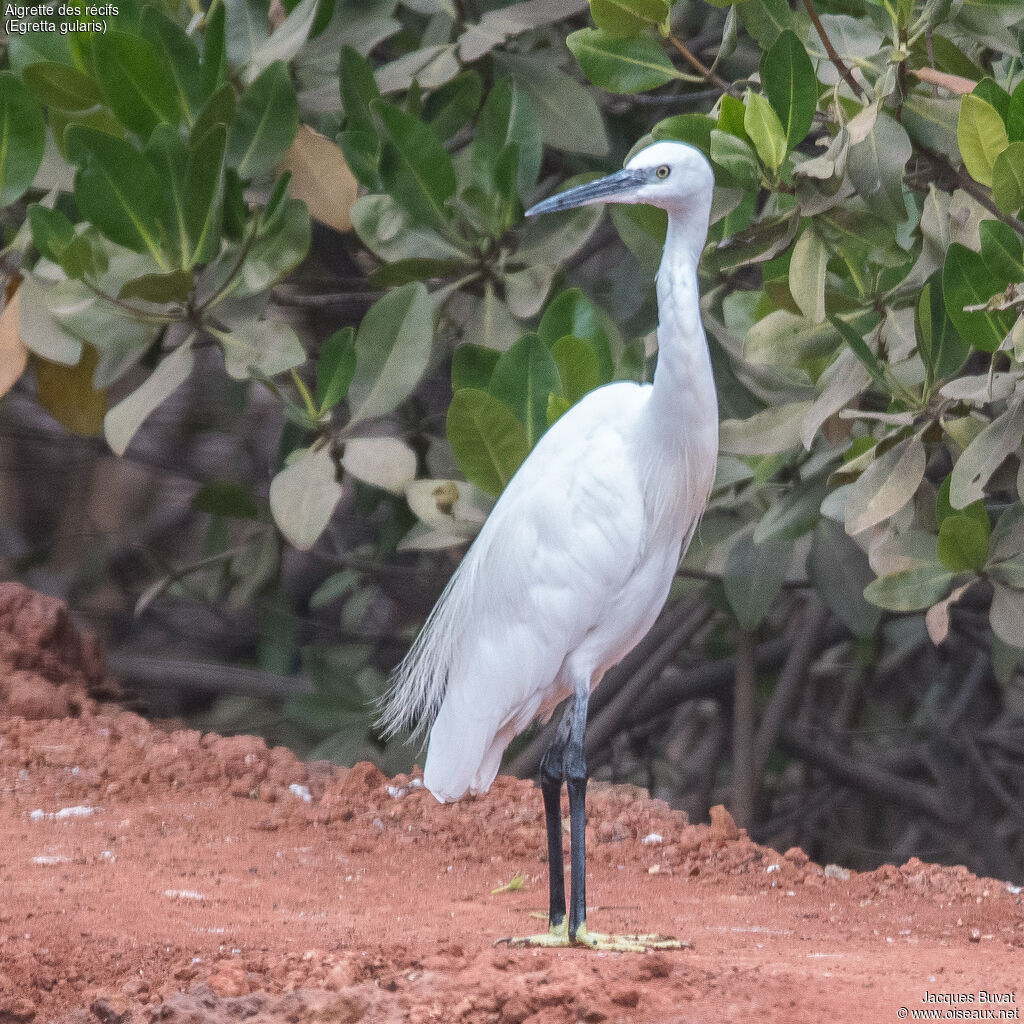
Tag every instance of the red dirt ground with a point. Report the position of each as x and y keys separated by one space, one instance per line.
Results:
x=156 y=876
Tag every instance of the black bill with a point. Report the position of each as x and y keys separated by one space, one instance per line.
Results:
x=593 y=192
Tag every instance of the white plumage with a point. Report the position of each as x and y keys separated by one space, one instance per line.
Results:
x=575 y=561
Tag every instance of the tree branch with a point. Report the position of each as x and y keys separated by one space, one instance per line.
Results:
x=860 y=774
x=162 y=673
x=808 y=634
x=744 y=783
x=697 y=64
x=831 y=51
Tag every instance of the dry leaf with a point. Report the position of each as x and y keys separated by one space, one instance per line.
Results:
x=321 y=178
x=13 y=354
x=66 y=392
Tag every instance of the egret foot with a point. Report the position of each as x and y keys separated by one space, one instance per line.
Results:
x=557 y=937
x=625 y=943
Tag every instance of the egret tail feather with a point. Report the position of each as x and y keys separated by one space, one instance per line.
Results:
x=419 y=683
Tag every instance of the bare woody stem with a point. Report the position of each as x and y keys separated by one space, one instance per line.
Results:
x=831 y=50
x=695 y=62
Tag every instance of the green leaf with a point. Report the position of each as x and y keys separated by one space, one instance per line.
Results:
x=840 y=571
x=334 y=587
x=944 y=509
x=473 y=366
x=124 y=419
x=730 y=117
x=875 y=166
x=303 y=497
x=993 y=94
x=695 y=129
x=414 y=166
x=885 y=486
x=984 y=455
x=261 y=349
x=982 y=137
x=159 y=288
x=967 y=281
x=794 y=515
x=766 y=19
x=642 y=228
x=226 y=498
x=167 y=153
x=769 y=432
x=218 y=109
x=736 y=156
x=1008 y=178
x=392 y=350
x=264 y=125
x=572 y=312
x=86 y=256
x=629 y=65
x=578 y=367
x=362 y=154
x=860 y=349
x=754 y=574
x=1015 y=115
x=52 y=232
x=117 y=189
x=939 y=344
x=1006 y=616
x=215 y=61
x=40 y=330
x=507 y=117
x=963 y=543
x=247 y=26
x=1001 y=252
x=335 y=368
x=757 y=244
x=487 y=440
x=391 y=234
x=910 y=590
x=787 y=76
x=286 y=40
x=179 y=57
x=22 y=138
x=523 y=378
x=135 y=82
x=453 y=105
x=765 y=130
x=204 y=195
x=403 y=271
x=627 y=17
x=807 y=275
x=385 y=462
x=526 y=289
x=61 y=86
x=569 y=115
x=557 y=406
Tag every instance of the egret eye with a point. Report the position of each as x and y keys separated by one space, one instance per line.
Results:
x=663 y=171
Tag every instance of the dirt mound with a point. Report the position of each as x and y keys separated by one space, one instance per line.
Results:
x=177 y=877
x=47 y=669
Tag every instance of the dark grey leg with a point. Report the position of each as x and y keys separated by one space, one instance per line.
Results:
x=576 y=783
x=552 y=770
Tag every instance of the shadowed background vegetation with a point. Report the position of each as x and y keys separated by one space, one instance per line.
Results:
x=276 y=334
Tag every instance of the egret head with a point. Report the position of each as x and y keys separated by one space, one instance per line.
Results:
x=671 y=175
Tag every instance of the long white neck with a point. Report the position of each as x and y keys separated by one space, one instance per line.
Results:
x=683 y=406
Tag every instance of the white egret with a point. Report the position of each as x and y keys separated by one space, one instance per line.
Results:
x=574 y=563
